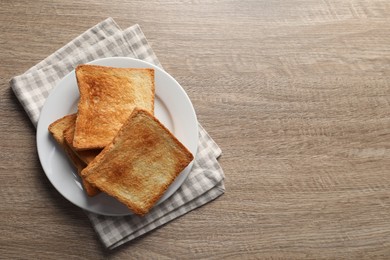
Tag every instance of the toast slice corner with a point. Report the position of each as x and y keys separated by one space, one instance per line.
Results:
x=87 y=156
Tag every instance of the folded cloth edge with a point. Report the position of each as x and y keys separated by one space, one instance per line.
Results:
x=211 y=195
x=102 y=30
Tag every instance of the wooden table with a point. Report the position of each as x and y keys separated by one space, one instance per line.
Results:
x=296 y=93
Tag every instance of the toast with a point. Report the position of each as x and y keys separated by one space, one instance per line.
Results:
x=107 y=97
x=86 y=156
x=140 y=163
x=56 y=129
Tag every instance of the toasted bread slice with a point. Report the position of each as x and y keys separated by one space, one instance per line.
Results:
x=107 y=97
x=140 y=163
x=90 y=189
x=86 y=156
x=57 y=129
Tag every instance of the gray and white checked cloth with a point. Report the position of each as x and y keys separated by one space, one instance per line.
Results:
x=106 y=39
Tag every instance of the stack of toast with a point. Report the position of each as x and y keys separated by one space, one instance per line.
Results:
x=115 y=142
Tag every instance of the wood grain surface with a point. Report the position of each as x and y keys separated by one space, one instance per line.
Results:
x=296 y=93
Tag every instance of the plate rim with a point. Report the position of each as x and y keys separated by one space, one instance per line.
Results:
x=40 y=135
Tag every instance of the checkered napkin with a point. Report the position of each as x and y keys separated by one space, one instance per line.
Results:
x=106 y=39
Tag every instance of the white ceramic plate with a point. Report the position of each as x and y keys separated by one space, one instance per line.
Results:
x=172 y=107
